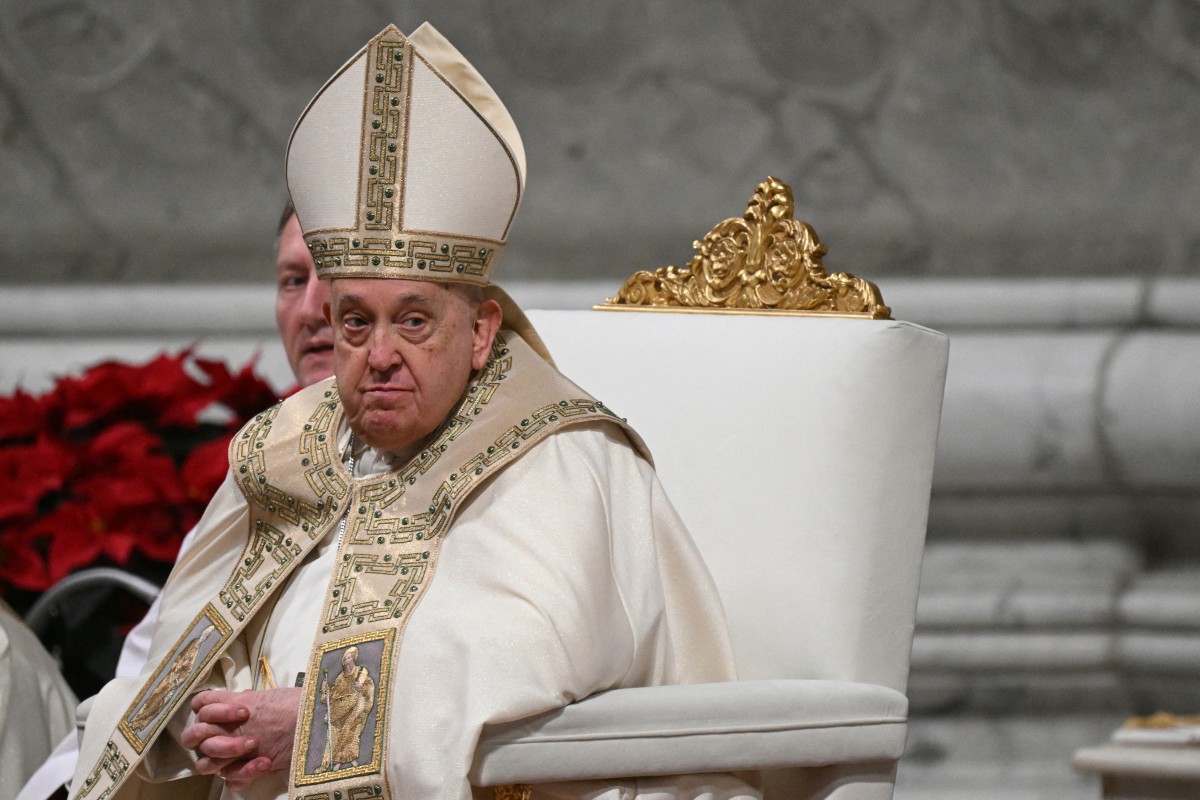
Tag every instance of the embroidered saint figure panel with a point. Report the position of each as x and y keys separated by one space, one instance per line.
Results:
x=341 y=736
x=186 y=662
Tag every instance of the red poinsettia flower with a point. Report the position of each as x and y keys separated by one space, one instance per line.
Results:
x=115 y=465
x=28 y=472
x=72 y=538
x=21 y=565
x=244 y=394
x=20 y=416
x=205 y=468
x=124 y=466
x=98 y=394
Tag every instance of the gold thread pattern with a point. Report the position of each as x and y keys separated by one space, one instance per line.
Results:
x=765 y=261
x=112 y=764
x=410 y=537
x=270 y=552
x=369 y=525
x=421 y=255
x=513 y=791
x=410 y=569
x=300 y=775
x=387 y=66
x=288 y=517
x=348 y=793
x=379 y=244
x=185 y=664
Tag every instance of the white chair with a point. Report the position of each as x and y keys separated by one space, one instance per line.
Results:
x=799 y=451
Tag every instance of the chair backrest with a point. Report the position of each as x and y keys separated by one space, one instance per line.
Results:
x=799 y=451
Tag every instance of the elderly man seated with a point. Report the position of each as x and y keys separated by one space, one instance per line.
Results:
x=449 y=534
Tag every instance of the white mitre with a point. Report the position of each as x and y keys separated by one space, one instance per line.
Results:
x=406 y=165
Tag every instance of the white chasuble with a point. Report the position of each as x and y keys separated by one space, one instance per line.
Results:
x=562 y=574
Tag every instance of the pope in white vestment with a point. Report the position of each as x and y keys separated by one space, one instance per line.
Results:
x=517 y=555
x=567 y=573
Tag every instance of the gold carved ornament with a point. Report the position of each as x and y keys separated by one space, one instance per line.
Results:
x=766 y=261
x=1161 y=720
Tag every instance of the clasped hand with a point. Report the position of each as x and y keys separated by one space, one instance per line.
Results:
x=241 y=735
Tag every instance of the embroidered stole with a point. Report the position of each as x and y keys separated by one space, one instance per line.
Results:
x=286 y=463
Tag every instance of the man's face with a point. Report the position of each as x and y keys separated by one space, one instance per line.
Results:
x=404 y=352
x=299 y=308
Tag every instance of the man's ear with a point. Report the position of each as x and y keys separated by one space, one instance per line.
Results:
x=487 y=322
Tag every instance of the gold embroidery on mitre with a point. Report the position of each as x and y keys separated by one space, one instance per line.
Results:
x=380 y=245
x=765 y=261
x=410 y=255
x=388 y=86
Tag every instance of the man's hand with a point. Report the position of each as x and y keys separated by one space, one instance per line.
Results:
x=241 y=735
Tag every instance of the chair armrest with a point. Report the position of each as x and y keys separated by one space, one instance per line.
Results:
x=41 y=612
x=711 y=727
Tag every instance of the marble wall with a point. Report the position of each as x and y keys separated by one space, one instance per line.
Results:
x=950 y=150
x=143 y=141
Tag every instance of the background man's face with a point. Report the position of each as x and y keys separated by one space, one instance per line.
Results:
x=404 y=353
x=299 y=308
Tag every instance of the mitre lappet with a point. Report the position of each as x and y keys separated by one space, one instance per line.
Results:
x=407 y=165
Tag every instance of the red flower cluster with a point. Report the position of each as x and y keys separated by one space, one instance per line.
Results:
x=115 y=464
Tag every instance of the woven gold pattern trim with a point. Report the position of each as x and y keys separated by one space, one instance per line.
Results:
x=271 y=551
x=513 y=791
x=373 y=792
x=112 y=765
x=408 y=538
x=415 y=257
x=385 y=120
x=380 y=245
x=765 y=261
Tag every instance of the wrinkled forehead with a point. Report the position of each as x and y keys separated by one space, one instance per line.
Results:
x=391 y=291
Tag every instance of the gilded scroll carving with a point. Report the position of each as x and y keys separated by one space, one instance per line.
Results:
x=766 y=260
